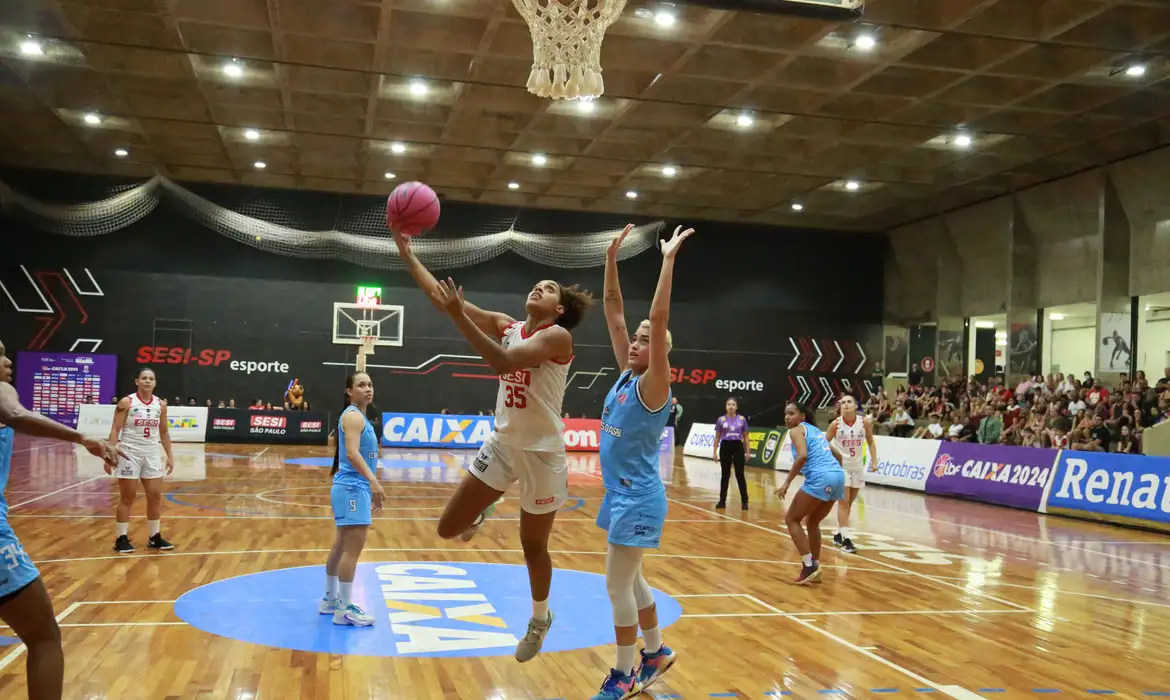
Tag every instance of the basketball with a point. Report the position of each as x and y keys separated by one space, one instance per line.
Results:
x=412 y=209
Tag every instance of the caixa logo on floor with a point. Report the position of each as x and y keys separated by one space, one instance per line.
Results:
x=1113 y=487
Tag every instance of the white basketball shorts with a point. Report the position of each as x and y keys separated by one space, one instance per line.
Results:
x=854 y=478
x=141 y=465
x=543 y=476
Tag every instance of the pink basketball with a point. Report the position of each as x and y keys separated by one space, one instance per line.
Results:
x=412 y=209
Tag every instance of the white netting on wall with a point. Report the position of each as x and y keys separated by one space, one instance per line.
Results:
x=376 y=251
x=90 y=219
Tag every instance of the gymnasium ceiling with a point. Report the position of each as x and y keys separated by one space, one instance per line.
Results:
x=330 y=90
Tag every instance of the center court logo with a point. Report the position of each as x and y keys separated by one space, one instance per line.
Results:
x=421 y=609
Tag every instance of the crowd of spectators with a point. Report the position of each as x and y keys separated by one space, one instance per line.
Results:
x=1061 y=411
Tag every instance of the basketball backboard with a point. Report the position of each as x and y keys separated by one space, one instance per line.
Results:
x=352 y=322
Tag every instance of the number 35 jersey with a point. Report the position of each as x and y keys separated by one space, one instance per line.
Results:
x=528 y=405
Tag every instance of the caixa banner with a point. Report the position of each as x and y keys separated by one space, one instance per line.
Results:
x=1005 y=476
x=235 y=425
x=469 y=432
x=1116 y=487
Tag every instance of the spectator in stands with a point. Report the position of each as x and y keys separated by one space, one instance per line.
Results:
x=1128 y=444
x=221 y=404
x=209 y=404
x=113 y=400
x=932 y=430
x=991 y=426
x=915 y=375
x=191 y=401
x=901 y=423
x=1099 y=436
x=231 y=403
x=257 y=405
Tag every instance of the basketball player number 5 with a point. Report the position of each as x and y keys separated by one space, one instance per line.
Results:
x=514 y=397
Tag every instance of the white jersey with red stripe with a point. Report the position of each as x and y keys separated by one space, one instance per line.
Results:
x=140 y=434
x=529 y=403
x=850 y=441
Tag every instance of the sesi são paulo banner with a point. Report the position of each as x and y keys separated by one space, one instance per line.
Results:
x=438 y=430
x=1116 y=487
x=1006 y=476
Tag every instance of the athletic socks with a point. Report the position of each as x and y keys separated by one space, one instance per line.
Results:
x=346 y=588
x=155 y=527
x=807 y=560
x=844 y=532
x=332 y=587
x=123 y=529
x=653 y=639
x=626 y=657
x=540 y=610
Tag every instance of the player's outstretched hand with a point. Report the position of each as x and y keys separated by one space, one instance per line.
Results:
x=616 y=244
x=107 y=451
x=403 y=244
x=669 y=248
x=449 y=297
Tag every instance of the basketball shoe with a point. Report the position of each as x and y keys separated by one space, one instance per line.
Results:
x=618 y=686
x=352 y=615
x=654 y=665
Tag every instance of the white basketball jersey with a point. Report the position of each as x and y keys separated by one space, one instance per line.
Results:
x=528 y=405
x=140 y=434
x=851 y=442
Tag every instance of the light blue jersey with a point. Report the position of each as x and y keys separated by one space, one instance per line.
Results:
x=634 y=508
x=350 y=495
x=631 y=434
x=347 y=474
x=824 y=478
x=16 y=569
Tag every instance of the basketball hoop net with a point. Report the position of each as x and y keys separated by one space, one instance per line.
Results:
x=566 y=45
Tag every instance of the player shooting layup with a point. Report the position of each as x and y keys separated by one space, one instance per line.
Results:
x=532 y=358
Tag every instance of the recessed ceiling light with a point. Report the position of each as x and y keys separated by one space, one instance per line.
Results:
x=233 y=69
x=29 y=47
x=389 y=176
x=93 y=119
x=585 y=106
x=121 y=153
x=664 y=19
x=260 y=165
x=797 y=206
x=397 y=148
x=669 y=171
x=1136 y=70
x=251 y=134
x=1001 y=341
x=1001 y=334
x=853 y=185
x=963 y=141
x=1055 y=317
x=417 y=87
x=864 y=42
x=631 y=195
x=985 y=324
x=513 y=185
x=539 y=159
x=744 y=120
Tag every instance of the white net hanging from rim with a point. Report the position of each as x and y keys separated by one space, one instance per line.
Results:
x=129 y=205
x=566 y=45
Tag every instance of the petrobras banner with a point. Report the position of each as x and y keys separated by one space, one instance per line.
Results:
x=701 y=441
x=1117 y=487
x=186 y=423
x=1006 y=476
x=902 y=462
x=435 y=430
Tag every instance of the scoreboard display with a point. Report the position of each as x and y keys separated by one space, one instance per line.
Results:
x=56 y=383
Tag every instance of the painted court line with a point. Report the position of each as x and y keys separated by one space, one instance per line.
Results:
x=20 y=648
x=925 y=577
x=54 y=493
x=956 y=692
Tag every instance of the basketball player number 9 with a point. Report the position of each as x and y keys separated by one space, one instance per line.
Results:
x=514 y=397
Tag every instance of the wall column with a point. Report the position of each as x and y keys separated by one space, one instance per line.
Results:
x=1114 y=346
x=951 y=355
x=1023 y=348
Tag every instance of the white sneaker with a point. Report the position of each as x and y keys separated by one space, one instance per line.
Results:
x=471 y=532
x=329 y=605
x=530 y=646
x=353 y=615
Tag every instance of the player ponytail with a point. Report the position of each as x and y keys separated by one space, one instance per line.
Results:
x=576 y=302
x=346 y=401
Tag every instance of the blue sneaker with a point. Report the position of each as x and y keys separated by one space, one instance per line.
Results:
x=618 y=686
x=654 y=665
x=352 y=615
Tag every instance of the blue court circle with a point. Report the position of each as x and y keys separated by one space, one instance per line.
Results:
x=422 y=609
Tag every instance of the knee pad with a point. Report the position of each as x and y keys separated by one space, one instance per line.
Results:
x=624 y=602
x=642 y=595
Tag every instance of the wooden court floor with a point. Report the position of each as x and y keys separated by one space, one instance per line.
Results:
x=947 y=598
